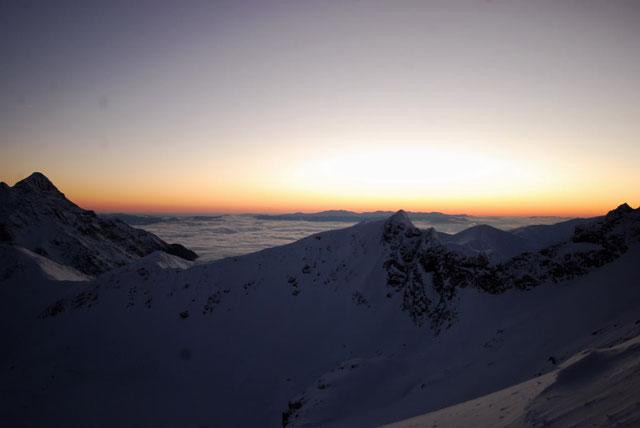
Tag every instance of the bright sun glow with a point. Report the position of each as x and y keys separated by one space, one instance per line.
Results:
x=411 y=171
x=506 y=108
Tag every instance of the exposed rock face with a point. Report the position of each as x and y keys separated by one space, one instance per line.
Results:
x=428 y=274
x=35 y=215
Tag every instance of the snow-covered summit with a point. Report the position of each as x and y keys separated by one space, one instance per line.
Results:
x=35 y=215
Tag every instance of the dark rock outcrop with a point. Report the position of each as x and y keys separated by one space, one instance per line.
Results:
x=429 y=275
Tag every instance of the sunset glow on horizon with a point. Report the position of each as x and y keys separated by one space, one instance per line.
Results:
x=481 y=108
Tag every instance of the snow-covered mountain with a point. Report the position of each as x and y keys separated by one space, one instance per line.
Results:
x=361 y=326
x=35 y=215
x=543 y=235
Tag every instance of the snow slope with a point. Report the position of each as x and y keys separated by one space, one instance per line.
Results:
x=497 y=342
x=495 y=243
x=597 y=387
x=17 y=258
x=35 y=215
x=543 y=235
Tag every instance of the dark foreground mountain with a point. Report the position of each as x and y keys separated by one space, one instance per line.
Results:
x=35 y=215
x=362 y=326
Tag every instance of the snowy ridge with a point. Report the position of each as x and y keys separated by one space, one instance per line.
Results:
x=429 y=274
x=496 y=244
x=35 y=215
x=544 y=235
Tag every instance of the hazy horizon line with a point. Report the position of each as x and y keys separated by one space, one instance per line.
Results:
x=292 y=212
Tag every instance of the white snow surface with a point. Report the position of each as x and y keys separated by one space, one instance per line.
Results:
x=17 y=259
x=55 y=271
x=596 y=387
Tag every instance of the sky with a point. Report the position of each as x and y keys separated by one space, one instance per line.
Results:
x=477 y=107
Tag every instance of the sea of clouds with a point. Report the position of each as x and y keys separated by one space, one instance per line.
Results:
x=216 y=237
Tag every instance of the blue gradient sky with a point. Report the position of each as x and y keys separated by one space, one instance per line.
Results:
x=483 y=107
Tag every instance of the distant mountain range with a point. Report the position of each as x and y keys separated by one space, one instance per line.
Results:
x=322 y=216
x=448 y=223
x=362 y=326
x=350 y=216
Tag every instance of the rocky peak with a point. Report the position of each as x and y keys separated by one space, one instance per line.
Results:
x=36 y=182
x=398 y=226
x=621 y=211
x=401 y=218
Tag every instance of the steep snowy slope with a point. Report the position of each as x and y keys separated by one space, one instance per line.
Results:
x=35 y=215
x=355 y=327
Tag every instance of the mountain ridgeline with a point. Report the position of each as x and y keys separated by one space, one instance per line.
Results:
x=35 y=215
x=428 y=274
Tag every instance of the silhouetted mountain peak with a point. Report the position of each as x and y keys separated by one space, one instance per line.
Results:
x=38 y=182
x=621 y=209
x=619 y=213
x=397 y=227
x=401 y=217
